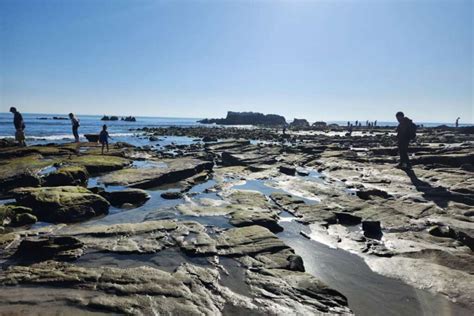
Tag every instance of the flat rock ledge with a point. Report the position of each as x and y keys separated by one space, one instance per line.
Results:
x=273 y=277
x=169 y=171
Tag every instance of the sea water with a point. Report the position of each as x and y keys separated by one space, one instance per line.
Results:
x=42 y=128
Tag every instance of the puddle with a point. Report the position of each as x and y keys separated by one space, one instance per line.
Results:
x=156 y=208
x=368 y=293
x=234 y=279
x=204 y=190
x=312 y=175
x=167 y=260
x=146 y=164
x=6 y=201
x=262 y=187
x=40 y=225
x=202 y=187
x=47 y=170
x=95 y=182
x=286 y=217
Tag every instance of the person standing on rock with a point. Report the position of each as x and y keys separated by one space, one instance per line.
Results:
x=75 y=126
x=104 y=138
x=457 y=122
x=406 y=131
x=19 y=126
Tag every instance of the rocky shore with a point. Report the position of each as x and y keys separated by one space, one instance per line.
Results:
x=194 y=229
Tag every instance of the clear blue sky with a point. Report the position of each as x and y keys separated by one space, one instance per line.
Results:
x=321 y=60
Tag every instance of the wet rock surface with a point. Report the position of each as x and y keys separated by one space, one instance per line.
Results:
x=57 y=248
x=167 y=171
x=189 y=288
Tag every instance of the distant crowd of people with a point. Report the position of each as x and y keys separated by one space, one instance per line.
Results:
x=20 y=127
x=406 y=132
x=359 y=124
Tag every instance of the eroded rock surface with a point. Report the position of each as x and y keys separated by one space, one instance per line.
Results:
x=168 y=171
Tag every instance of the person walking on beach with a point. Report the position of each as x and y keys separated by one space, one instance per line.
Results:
x=457 y=122
x=349 y=132
x=406 y=131
x=19 y=126
x=104 y=138
x=75 y=126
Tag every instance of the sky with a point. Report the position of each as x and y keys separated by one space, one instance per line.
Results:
x=319 y=60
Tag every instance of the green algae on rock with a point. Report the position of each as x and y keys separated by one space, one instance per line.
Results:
x=13 y=215
x=100 y=163
x=62 y=204
x=67 y=175
x=21 y=171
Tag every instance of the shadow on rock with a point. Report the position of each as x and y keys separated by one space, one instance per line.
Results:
x=439 y=195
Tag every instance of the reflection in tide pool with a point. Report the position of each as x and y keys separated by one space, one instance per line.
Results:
x=368 y=293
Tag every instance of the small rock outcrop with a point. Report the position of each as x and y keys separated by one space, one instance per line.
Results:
x=65 y=204
x=129 y=119
x=320 y=124
x=67 y=175
x=299 y=123
x=12 y=215
x=288 y=170
x=93 y=138
x=109 y=118
x=172 y=195
x=135 y=197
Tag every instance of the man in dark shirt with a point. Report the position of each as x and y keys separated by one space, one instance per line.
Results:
x=403 y=138
x=75 y=126
x=19 y=126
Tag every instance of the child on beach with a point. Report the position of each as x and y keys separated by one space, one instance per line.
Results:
x=104 y=138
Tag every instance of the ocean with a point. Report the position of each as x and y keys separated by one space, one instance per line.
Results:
x=42 y=128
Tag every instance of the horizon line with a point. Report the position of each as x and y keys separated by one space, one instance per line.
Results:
x=200 y=118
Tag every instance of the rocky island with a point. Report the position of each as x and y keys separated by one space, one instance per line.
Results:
x=232 y=222
x=248 y=118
